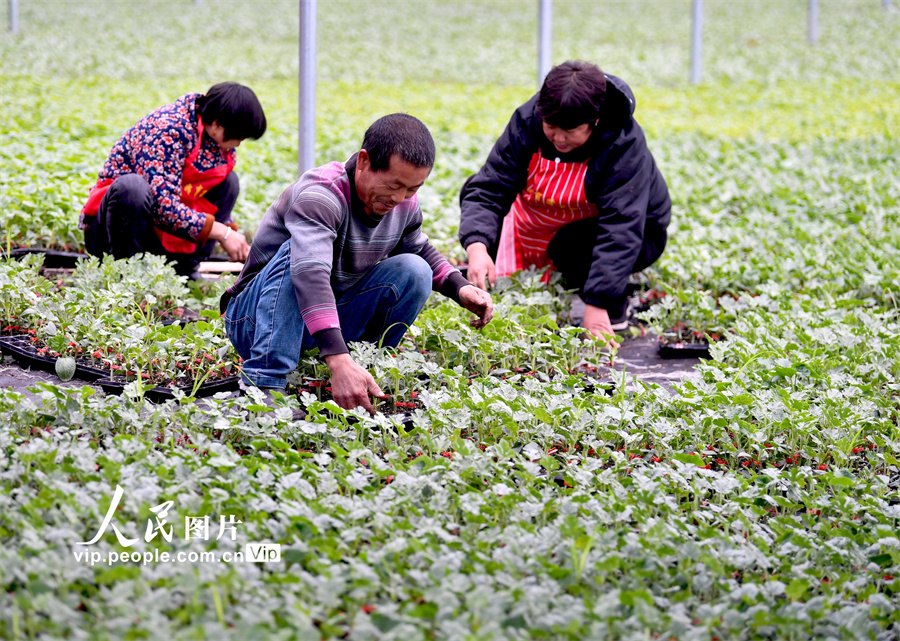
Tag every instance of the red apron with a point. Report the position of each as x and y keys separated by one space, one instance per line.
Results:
x=554 y=196
x=194 y=186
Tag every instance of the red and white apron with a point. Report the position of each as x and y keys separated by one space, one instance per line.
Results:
x=554 y=196
x=194 y=186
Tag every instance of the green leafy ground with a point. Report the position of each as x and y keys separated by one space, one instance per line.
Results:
x=759 y=501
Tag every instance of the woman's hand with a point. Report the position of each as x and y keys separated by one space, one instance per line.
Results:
x=233 y=242
x=481 y=266
x=596 y=322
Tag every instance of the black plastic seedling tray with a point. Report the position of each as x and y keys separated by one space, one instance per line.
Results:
x=160 y=394
x=684 y=350
x=53 y=259
x=404 y=418
x=607 y=386
x=181 y=322
x=26 y=355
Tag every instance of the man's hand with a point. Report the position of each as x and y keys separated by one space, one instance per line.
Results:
x=481 y=266
x=351 y=385
x=235 y=245
x=478 y=302
x=596 y=322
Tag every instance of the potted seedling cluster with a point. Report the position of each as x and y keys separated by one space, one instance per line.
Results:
x=757 y=498
x=112 y=319
x=686 y=322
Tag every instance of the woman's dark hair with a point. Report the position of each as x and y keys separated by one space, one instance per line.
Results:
x=236 y=108
x=572 y=95
x=400 y=134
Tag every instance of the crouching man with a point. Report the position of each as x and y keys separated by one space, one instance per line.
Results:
x=341 y=257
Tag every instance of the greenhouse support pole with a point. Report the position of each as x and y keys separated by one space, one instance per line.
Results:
x=307 y=143
x=696 y=41
x=14 y=16
x=545 y=39
x=812 y=22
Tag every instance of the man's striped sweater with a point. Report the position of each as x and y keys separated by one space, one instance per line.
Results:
x=334 y=243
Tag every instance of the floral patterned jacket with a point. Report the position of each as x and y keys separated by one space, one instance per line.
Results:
x=156 y=148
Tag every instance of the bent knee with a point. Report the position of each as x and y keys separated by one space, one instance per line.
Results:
x=232 y=183
x=419 y=268
x=417 y=273
x=228 y=191
x=131 y=190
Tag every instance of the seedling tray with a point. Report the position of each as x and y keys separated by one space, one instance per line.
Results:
x=181 y=322
x=26 y=355
x=116 y=386
x=684 y=350
x=53 y=259
x=607 y=386
x=404 y=418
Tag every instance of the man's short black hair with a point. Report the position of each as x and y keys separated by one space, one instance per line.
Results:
x=572 y=95
x=400 y=134
x=236 y=108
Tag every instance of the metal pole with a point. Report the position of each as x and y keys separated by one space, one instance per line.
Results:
x=545 y=39
x=812 y=22
x=307 y=148
x=696 y=41
x=14 y=16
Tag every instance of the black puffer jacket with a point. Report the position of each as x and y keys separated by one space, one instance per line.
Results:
x=622 y=181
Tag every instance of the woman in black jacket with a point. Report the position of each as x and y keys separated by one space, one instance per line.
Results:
x=571 y=184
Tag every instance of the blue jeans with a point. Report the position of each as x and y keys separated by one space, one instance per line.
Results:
x=264 y=324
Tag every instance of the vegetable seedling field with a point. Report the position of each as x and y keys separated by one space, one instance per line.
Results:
x=759 y=499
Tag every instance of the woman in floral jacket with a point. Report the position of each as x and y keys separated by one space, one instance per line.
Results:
x=168 y=187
